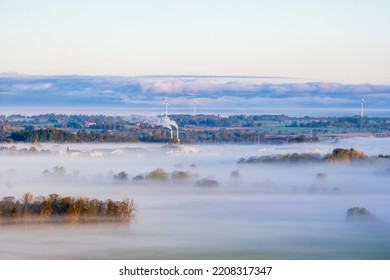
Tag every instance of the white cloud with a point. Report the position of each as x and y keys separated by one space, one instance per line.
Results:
x=209 y=91
x=194 y=85
x=42 y=86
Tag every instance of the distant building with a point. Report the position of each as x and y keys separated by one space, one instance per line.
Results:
x=89 y=124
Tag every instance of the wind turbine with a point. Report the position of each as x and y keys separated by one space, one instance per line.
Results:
x=362 y=108
x=166 y=119
x=195 y=107
x=166 y=106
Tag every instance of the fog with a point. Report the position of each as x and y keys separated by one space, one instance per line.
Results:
x=261 y=211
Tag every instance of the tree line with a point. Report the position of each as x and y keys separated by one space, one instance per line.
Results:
x=58 y=208
x=338 y=154
x=44 y=135
x=62 y=136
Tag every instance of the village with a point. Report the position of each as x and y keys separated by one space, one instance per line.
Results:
x=238 y=129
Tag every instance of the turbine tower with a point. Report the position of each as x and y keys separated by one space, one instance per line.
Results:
x=362 y=108
x=166 y=106
x=195 y=107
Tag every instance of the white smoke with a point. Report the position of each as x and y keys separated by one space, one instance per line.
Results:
x=164 y=121
x=170 y=122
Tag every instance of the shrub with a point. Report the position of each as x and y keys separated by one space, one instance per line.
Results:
x=358 y=213
x=207 y=182
x=139 y=177
x=181 y=176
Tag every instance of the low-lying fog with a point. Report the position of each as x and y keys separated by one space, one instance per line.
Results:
x=258 y=211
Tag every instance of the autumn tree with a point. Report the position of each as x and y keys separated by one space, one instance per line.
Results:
x=157 y=174
x=345 y=155
x=26 y=198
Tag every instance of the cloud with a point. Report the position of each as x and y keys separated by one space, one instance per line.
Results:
x=209 y=91
x=163 y=86
x=193 y=86
x=32 y=87
x=211 y=77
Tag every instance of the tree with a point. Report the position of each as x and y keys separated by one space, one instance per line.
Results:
x=8 y=206
x=33 y=150
x=207 y=182
x=139 y=177
x=45 y=207
x=27 y=198
x=127 y=209
x=121 y=176
x=181 y=176
x=359 y=214
x=60 y=170
x=235 y=174
x=157 y=174
x=345 y=155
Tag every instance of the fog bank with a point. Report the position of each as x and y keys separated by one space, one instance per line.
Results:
x=278 y=211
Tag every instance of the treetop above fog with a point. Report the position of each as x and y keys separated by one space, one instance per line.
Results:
x=338 y=154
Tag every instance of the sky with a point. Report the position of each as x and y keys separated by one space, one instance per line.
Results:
x=342 y=41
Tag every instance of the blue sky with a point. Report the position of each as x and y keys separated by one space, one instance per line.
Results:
x=313 y=41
